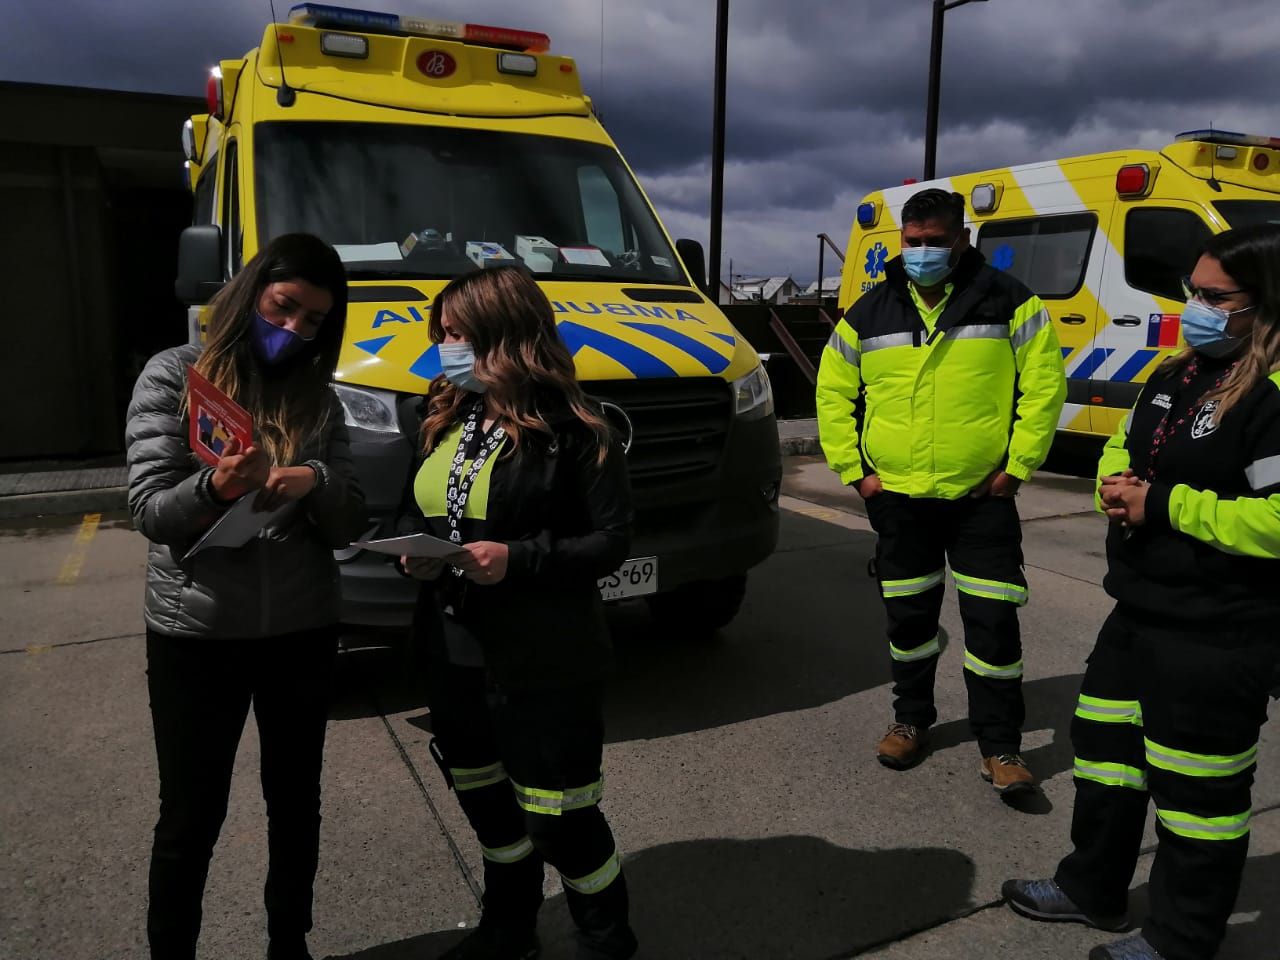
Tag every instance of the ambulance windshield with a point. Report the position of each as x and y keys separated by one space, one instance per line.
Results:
x=408 y=202
x=1245 y=213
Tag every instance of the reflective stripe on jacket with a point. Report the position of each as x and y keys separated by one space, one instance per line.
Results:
x=933 y=415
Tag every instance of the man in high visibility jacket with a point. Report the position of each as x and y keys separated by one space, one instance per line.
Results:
x=938 y=395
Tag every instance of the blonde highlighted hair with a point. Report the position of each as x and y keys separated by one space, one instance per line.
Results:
x=290 y=404
x=519 y=358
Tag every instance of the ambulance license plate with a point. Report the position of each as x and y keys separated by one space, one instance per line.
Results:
x=635 y=578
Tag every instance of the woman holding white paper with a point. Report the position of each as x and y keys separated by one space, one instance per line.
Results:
x=232 y=626
x=522 y=471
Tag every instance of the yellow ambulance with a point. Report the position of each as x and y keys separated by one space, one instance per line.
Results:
x=422 y=150
x=1104 y=240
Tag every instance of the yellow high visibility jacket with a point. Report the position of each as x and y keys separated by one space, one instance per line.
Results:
x=934 y=412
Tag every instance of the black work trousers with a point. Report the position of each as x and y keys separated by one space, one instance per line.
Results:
x=982 y=539
x=527 y=771
x=201 y=690
x=1171 y=712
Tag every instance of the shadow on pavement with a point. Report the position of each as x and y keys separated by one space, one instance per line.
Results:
x=773 y=898
x=1051 y=702
x=810 y=632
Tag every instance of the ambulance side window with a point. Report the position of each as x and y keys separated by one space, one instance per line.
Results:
x=206 y=192
x=601 y=210
x=1048 y=254
x=231 y=211
x=1160 y=248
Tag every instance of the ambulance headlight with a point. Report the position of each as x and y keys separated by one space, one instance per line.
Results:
x=753 y=395
x=367 y=409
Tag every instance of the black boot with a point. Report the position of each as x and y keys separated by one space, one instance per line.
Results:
x=604 y=930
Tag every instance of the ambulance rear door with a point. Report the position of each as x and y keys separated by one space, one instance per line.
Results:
x=1156 y=243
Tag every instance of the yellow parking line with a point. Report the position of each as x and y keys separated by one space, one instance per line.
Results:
x=79 y=550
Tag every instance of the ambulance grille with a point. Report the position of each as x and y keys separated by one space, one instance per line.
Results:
x=679 y=427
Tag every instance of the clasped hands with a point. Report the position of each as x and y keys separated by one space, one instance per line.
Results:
x=1124 y=497
x=483 y=562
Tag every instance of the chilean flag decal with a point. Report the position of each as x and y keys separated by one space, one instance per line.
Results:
x=1162 y=329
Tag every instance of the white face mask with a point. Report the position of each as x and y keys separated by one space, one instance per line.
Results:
x=458 y=362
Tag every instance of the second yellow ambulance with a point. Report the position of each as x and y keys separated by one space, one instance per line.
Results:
x=1104 y=240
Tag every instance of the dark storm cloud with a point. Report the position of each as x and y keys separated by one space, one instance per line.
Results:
x=826 y=98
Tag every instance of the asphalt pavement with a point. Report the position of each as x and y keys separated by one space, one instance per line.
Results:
x=741 y=784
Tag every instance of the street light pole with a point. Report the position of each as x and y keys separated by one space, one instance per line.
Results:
x=940 y=7
x=717 y=149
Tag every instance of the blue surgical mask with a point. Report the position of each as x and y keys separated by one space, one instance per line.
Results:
x=1205 y=329
x=274 y=344
x=927 y=266
x=458 y=363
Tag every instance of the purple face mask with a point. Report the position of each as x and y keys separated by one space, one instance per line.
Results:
x=274 y=344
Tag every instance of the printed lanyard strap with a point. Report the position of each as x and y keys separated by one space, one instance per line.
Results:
x=460 y=478
x=1164 y=428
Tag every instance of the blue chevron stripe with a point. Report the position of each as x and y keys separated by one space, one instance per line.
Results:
x=427 y=366
x=638 y=362
x=711 y=359
x=1134 y=365
x=373 y=346
x=1092 y=362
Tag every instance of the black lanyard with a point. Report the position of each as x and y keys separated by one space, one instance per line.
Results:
x=460 y=479
x=1165 y=429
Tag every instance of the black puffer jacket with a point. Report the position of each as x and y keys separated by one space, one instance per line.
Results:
x=566 y=519
x=283 y=580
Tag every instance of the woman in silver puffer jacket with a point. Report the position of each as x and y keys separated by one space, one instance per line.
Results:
x=228 y=627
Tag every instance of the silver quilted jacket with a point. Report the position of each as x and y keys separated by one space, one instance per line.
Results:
x=283 y=580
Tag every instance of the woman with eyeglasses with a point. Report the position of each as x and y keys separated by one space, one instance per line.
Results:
x=1175 y=692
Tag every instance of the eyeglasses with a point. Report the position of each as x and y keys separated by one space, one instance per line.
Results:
x=1210 y=297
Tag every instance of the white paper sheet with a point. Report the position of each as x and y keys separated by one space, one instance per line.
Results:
x=363 y=252
x=238 y=525
x=413 y=545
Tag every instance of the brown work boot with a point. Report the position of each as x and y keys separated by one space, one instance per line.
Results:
x=902 y=747
x=1008 y=773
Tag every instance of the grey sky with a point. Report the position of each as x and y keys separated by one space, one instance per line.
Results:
x=826 y=98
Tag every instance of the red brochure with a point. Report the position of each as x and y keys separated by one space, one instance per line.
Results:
x=216 y=419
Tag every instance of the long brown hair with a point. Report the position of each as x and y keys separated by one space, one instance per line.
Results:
x=519 y=357
x=290 y=404
x=1251 y=257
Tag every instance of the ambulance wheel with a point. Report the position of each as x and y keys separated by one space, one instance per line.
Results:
x=702 y=608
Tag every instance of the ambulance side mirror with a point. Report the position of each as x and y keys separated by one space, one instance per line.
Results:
x=199 y=264
x=694 y=260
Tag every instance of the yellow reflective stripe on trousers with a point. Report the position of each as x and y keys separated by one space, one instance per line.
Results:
x=1101 y=710
x=1205 y=828
x=555 y=802
x=473 y=778
x=597 y=880
x=1111 y=774
x=512 y=853
x=984 y=669
x=925 y=650
x=990 y=589
x=1199 y=764
x=912 y=586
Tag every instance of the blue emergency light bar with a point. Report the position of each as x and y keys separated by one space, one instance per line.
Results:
x=866 y=214
x=324 y=16
x=1230 y=138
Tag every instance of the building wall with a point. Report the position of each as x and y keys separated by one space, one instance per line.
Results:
x=92 y=206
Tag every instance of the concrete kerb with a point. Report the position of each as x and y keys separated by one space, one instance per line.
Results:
x=63 y=502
